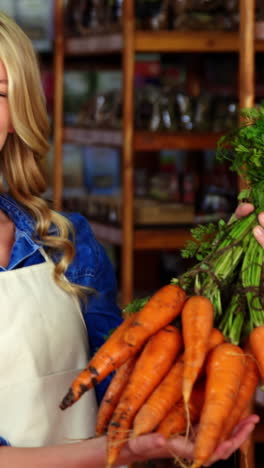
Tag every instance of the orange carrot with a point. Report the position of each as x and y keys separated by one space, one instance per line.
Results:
x=111 y=355
x=168 y=392
x=216 y=337
x=159 y=311
x=256 y=340
x=246 y=392
x=153 y=363
x=225 y=369
x=197 y=324
x=175 y=422
x=112 y=395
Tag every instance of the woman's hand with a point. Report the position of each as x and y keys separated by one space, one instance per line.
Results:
x=240 y=434
x=155 y=446
x=246 y=208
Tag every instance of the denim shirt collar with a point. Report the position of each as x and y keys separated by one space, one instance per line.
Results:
x=19 y=215
x=24 y=245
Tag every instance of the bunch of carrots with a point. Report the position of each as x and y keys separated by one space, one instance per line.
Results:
x=168 y=378
x=193 y=353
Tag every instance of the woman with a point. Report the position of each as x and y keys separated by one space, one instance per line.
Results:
x=50 y=264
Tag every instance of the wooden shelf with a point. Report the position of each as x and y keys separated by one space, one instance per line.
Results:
x=143 y=141
x=87 y=136
x=158 y=41
x=189 y=41
x=94 y=44
x=152 y=239
x=155 y=141
x=186 y=41
x=106 y=233
x=144 y=239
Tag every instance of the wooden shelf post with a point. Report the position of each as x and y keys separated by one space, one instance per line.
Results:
x=127 y=267
x=246 y=58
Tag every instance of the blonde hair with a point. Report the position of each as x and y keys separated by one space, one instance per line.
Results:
x=24 y=150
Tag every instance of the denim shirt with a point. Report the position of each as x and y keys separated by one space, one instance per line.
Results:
x=90 y=267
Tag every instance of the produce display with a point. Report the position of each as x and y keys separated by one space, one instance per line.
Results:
x=192 y=354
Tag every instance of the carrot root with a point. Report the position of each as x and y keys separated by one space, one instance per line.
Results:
x=197 y=325
x=153 y=363
x=109 y=357
x=159 y=311
x=225 y=369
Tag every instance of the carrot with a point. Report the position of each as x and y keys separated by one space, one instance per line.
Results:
x=153 y=363
x=245 y=394
x=197 y=324
x=112 y=395
x=159 y=311
x=108 y=358
x=175 y=422
x=256 y=340
x=225 y=368
x=168 y=392
x=216 y=337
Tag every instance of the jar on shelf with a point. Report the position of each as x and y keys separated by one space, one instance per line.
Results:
x=147 y=116
x=184 y=108
x=113 y=15
x=152 y=14
x=202 y=113
x=78 y=14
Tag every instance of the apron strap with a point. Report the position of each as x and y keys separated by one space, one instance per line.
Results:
x=44 y=254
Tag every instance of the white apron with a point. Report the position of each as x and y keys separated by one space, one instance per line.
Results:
x=43 y=346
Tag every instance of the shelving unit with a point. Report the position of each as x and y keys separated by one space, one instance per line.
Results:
x=143 y=140
x=128 y=43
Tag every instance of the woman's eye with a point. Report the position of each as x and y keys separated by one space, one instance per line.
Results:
x=3 y=95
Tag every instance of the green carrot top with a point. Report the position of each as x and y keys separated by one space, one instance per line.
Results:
x=243 y=147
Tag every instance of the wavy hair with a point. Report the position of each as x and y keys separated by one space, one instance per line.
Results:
x=21 y=161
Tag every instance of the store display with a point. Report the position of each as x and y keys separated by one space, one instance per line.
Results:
x=114 y=13
x=225 y=114
x=83 y=17
x=209 y=14
x=152 y=14
x=146 y=211
x=36 y=19
x=101 y=170
x=86 y=16
x=9 y=7
x=77 y=17
x=72 y=165
x=146 y=108
x=202 y=117
x=157 y=109
x=78 y=87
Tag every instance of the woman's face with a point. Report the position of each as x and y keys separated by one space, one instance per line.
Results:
x=5 y=120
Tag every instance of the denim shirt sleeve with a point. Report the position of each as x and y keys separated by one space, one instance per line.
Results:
x=92 y=267
x=3 y=442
